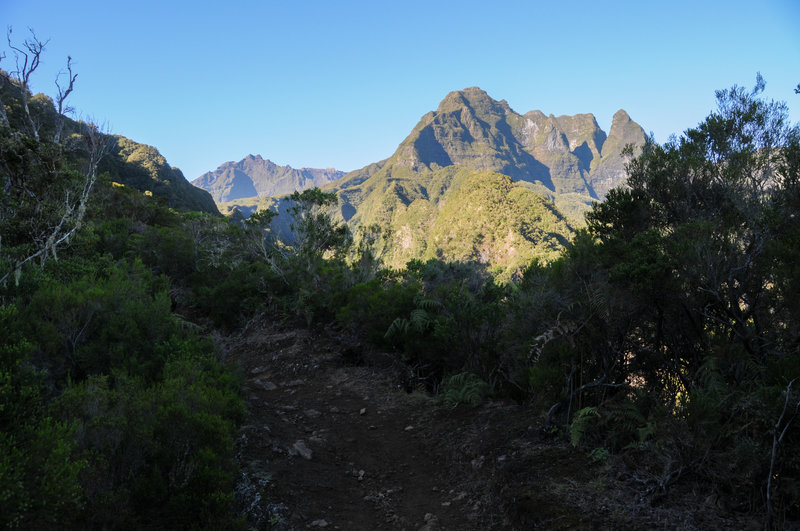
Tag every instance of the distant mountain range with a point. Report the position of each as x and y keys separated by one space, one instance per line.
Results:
x=474 y=180
x=255 y=177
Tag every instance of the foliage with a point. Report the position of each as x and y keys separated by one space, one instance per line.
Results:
x=39 y=471
x=114 y=412
x=159 y=454
x=371 y=307
x=455 y=323
x=464 y=388
x=673 y=313
x=580 y=423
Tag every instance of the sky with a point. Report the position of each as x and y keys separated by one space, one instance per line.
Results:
x=341 y=83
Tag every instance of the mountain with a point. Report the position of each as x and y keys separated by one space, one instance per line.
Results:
x=562 y=155
x=126 y=162
x=474 y=180
x=144 y=168
x=253 y=176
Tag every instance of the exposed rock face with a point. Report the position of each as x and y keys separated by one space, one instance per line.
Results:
x=436 y=197
x=611 y=165
x=255 y=176
x=565 y=154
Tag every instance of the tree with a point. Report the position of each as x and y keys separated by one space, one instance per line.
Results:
x=711 y=203
x=703 y=244
x=317 y=233
x=28 y=56
x=47 y=179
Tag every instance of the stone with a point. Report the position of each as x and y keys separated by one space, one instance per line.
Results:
x=265 y=385
x=303 y=450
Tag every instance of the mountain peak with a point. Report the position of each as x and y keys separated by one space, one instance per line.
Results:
x=621 y=116
x=474 y=98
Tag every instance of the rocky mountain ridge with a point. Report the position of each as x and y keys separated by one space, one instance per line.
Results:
x=564 y=154
x=254 y=176
x=568 y=159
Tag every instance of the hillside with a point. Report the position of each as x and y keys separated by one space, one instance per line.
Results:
x=457 y=214
x=144 y=168
x=124 y=160
x=475 y=180
x=255 y=177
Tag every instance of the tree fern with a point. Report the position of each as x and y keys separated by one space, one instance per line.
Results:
x=464 y=388
x=580 y=423
x=418 y=320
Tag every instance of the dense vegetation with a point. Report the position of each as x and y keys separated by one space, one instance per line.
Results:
x=666 y=335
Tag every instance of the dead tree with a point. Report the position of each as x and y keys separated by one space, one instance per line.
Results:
x=28 y=56
x=56 y=231
x=3 y=81
x=71 y=216
x=63 y=93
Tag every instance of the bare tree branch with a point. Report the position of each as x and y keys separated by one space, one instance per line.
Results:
x=63 y=93
x=3 y=81
x=28 y=57
x=97 y=145
x=776 y=441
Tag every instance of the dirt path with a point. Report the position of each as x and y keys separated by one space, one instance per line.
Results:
x=333 y=444
x=340 y=445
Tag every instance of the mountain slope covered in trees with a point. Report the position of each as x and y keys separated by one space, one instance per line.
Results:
x=416 y=197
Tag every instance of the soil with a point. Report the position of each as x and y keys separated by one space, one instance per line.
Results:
x=333 y=440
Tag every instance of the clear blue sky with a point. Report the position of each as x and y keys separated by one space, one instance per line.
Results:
x=341 y=83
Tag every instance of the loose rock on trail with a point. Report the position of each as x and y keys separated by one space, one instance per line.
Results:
x=333 y=441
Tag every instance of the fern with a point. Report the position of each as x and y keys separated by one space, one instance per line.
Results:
x=464 y=388
x=419 y=319
x=398 y=327
x=580 y=422
x=627 y=425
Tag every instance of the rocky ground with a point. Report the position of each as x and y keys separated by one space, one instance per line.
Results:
x=334 y=441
